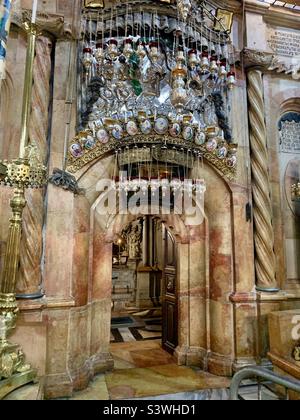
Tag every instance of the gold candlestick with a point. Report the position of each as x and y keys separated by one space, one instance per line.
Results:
x=24 y=172
x=32 y=32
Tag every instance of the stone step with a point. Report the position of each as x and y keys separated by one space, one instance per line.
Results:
x=32 y=392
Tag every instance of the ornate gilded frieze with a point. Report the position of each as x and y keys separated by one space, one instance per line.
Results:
x=216 y=151
x=26 y=172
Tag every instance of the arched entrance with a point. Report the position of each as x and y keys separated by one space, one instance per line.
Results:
x=204 y=270
x=212 y=270
x=144 y=293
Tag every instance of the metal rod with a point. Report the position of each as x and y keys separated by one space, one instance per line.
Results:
x=259 y=372
x=32 y=34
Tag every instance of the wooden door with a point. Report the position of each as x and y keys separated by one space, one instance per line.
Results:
x=169 y=294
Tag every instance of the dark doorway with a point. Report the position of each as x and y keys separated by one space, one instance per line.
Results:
x=169 y=294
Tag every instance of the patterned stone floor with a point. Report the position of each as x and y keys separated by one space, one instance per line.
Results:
x=140 y=354
x=143 y=370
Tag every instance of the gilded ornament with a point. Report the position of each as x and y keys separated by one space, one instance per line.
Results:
x=224 y=20
x=296 y=192
x=296 y=353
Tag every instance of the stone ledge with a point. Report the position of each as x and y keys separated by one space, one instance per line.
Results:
x=289 y=366
x=242 y=362
x=191 y=356
x=243 y=297
x=220 y=365
x=271 y=297
x=45 y=303
x=63 y=385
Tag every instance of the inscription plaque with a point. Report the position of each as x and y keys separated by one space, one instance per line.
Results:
x=285 y=43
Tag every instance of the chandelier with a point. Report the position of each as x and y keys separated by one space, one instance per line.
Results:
x=155 y=71
x=160 y=185
x=157 y=169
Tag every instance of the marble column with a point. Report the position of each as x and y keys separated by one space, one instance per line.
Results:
x=145 y=241
x=30 y=276
x=265 y=261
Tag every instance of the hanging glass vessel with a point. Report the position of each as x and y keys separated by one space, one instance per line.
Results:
x=231 y=81
x=213 y=65
x=180 y=57
x=113 y=48
x=141 y=51
x=193 y=59
x=205 y=62
x=87 y=59
x=223 y=70
x=154 y=51
x=179 y=93
x=128 y=48
x=99 y=53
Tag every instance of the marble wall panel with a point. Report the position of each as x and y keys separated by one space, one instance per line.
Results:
x=221 y=328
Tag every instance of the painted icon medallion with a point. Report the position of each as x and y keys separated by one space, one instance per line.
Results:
x=132 y=128
x=200 y=138
x=175 y=129
x=146 y=127
x=89 y=143
x=211 y=145
x=117 y=131
x=76 y=150
x=102 y=136
x=188 y=133
x=222 y=152
x=161 y=125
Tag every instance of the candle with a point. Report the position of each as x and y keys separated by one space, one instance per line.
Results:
x=34 y=11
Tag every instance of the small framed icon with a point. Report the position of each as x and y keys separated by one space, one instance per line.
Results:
x=223 y=21
x=93 y=4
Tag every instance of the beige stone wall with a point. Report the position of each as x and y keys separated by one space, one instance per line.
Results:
x=223 y=321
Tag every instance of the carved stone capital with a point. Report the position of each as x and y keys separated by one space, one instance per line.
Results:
x=268 y=62
x=48 y=23
x=255 y=58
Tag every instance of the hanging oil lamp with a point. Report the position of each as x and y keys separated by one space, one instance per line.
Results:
x=154 y=51
x=231 y=80
x=180 y=58
x=223 y=70
x=99 y=53
x=128 y=48
x=141 y=51
x=87 y=59
x=213 y=65
x=205 y=62
x=113 y=48
x=179 y=93
x=193 y=59
x=179 y=73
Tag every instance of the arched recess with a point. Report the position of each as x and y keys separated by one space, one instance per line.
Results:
x=289 y=164
x=206 y=271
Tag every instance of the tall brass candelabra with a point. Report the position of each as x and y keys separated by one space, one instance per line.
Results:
x=19 y=174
